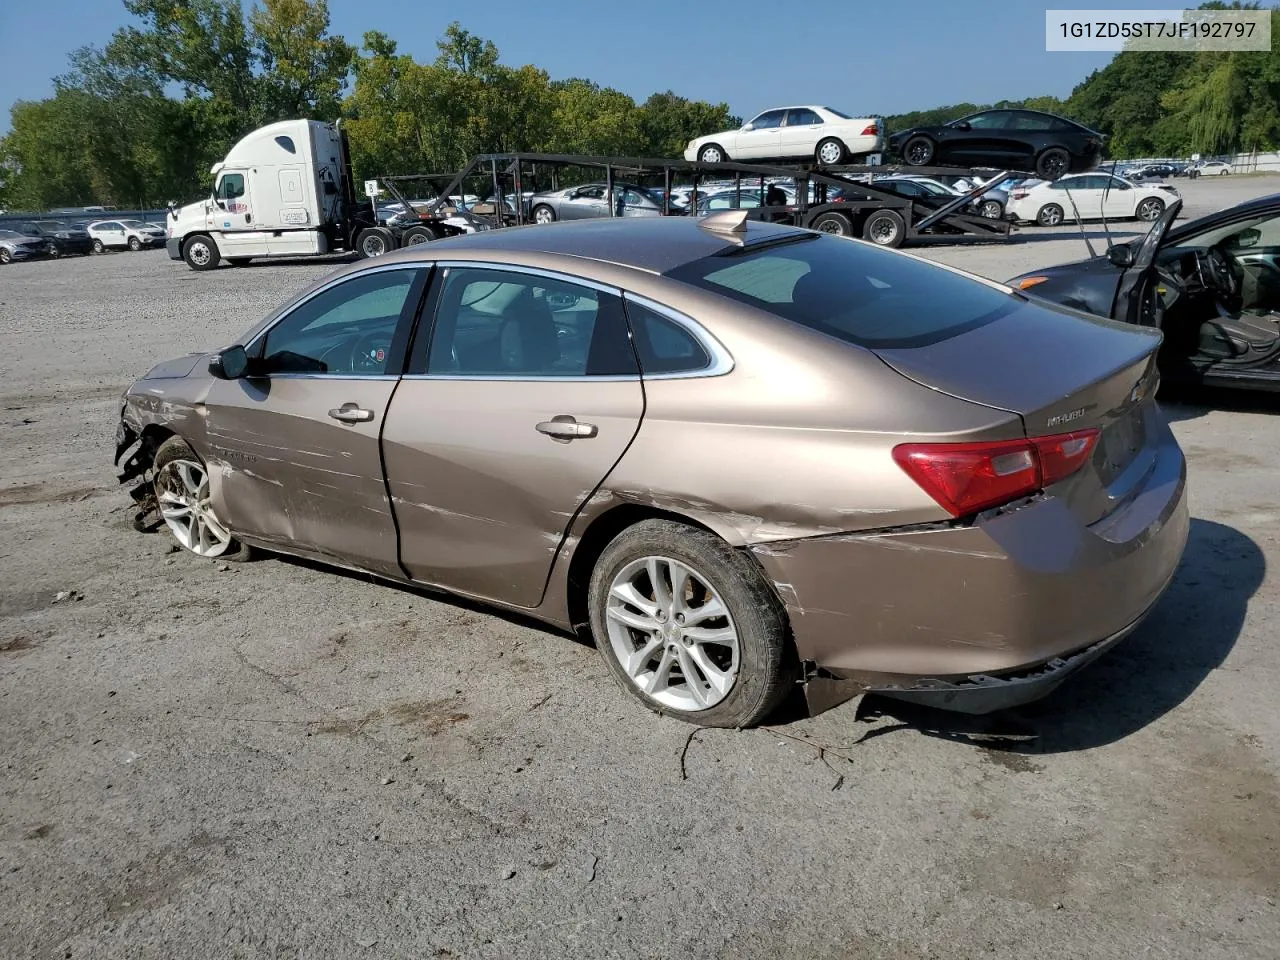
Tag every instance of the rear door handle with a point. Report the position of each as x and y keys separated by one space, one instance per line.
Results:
x=350 y=413
x=565 y=428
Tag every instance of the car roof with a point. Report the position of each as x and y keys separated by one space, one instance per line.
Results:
x=651 y=244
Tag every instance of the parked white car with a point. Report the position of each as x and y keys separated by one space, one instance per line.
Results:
x=1213 y=168
x=1094 y=195
x=785 y=133
x=118 y=234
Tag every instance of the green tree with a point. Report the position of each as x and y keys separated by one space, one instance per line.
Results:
x=668 y=122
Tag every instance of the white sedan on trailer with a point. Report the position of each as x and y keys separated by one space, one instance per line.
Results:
x=1095 y=195
x=791 y=133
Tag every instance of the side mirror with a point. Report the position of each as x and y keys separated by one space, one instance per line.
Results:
x=748 y=126
x=230 y=364
x=1121 y=255
x=963 y=125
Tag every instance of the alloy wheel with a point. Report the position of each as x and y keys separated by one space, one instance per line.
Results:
x=543 y=215
x=672 y=633
x=1150 y=209
x=182 y=491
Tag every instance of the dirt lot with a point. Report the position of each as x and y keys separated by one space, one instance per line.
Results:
x=275 y=760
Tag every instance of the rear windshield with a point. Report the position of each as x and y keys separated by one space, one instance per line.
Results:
x=853 y=291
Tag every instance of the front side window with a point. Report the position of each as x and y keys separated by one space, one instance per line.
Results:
x=854 y=292
x=995 y=120
x=500 y=323
x=231 y=186
x=345 y=330
x=591 y=192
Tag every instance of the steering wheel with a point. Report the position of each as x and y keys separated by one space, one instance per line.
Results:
x=369 y=354
x=1217 y=276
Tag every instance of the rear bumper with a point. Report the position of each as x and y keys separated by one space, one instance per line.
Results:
x=174 y=246
x=1014 y=601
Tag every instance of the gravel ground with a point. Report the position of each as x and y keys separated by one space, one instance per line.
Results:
x=275 y=760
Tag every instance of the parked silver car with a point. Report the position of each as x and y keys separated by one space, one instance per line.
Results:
x=18 y=246
x=592 y=200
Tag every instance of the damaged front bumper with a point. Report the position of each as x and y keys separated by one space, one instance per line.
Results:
x=136 y=466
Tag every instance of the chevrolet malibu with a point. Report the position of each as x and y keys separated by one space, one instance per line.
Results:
x=739 y=455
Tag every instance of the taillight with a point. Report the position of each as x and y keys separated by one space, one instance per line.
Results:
x=1020 y=194
x=967 y=477
x=870 y=130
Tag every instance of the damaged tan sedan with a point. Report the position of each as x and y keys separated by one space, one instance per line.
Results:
x=742 y=455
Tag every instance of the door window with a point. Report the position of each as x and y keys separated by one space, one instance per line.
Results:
x=231 y=186
x=995 y=120
x=500 y=323
x=768 y=120
x=347 y=330
x=802 y=118
x=1028 y=121
x=593 y=192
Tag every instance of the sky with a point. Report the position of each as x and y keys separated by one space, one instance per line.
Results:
x=854 y=55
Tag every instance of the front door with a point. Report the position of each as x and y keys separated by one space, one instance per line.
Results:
x=297 y=440
x=234 y=218
x=588 y=201
x=763 y=140
x=529 y=394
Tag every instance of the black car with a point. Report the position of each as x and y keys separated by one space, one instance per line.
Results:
x=1010 y=139
x=64 y=238
x=1212 y=286
x=1154 y=171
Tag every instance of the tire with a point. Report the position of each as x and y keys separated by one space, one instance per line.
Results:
x=736 y=685
x=1149 y=209
x=374 y=242
x=135 y=244
x=415 y=236
x=884 y=228
x=918 y=151
x=991 y=209
x=836 y=224
x=201 y=253
x=1223 y=173
x=1050 y=215
x=239 y=261
x=712 y=153
x=180 y=482
x=54 y=252
x=543 y=214
x=830 y=152
x=97 y=246
x=1053 y=163
x=5 y=255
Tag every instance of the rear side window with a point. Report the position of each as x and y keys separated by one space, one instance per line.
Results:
x=663 y=345
x=852 y=291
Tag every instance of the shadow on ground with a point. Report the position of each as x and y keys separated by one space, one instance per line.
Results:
x=1187 y=636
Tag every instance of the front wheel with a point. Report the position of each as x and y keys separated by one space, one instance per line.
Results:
x=5 y=255
x=1050 y=215
x=836 y=224
x=885 y=228
x=918 y=151
x=135 y=244
x=712 y=153
x=830 y=152
x=1150 y=209
x=201 y=253
x=97 y=246
x=54 y=252
x=181 y=484
x=543 y=214
x=689 y=626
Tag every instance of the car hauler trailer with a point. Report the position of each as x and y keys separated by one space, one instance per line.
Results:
x=843 y=200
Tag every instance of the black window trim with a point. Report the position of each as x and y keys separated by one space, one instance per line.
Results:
x=721 y=360
x=398 y=354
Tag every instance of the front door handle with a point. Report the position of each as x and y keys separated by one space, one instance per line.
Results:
x=565 y=428
x=350 y=413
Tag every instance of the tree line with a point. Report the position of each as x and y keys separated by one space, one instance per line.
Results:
x=139 y=120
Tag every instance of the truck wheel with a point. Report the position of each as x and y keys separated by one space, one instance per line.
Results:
x=836 y=224
x=884 y=228
x=416 y=235
x=201 y=253
x=375 y=241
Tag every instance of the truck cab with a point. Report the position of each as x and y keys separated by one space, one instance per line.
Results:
x=284 y=190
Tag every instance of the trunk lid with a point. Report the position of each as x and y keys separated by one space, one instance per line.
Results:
x=1060 y=371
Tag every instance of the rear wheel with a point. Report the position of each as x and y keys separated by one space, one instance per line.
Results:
x=135 y=244
x=1053 y=163
x=375 y=241
x=1150 y=209
x=918 y=151
x=991 y=209
x=830 y=151
x=201 y=253
x=1050 y=215
x=543 y=214
x=689 y=626
x=181 y=484
x=417 y=235
x=834 y=223
x=712 y=153
x=884 y=228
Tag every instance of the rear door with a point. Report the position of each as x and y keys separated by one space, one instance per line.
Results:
x=297 y=440
x=801 y=133
x=1085 y=192
x=983 y=143
x=525 y=397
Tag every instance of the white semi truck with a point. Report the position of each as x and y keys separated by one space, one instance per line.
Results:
x=285 y=190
